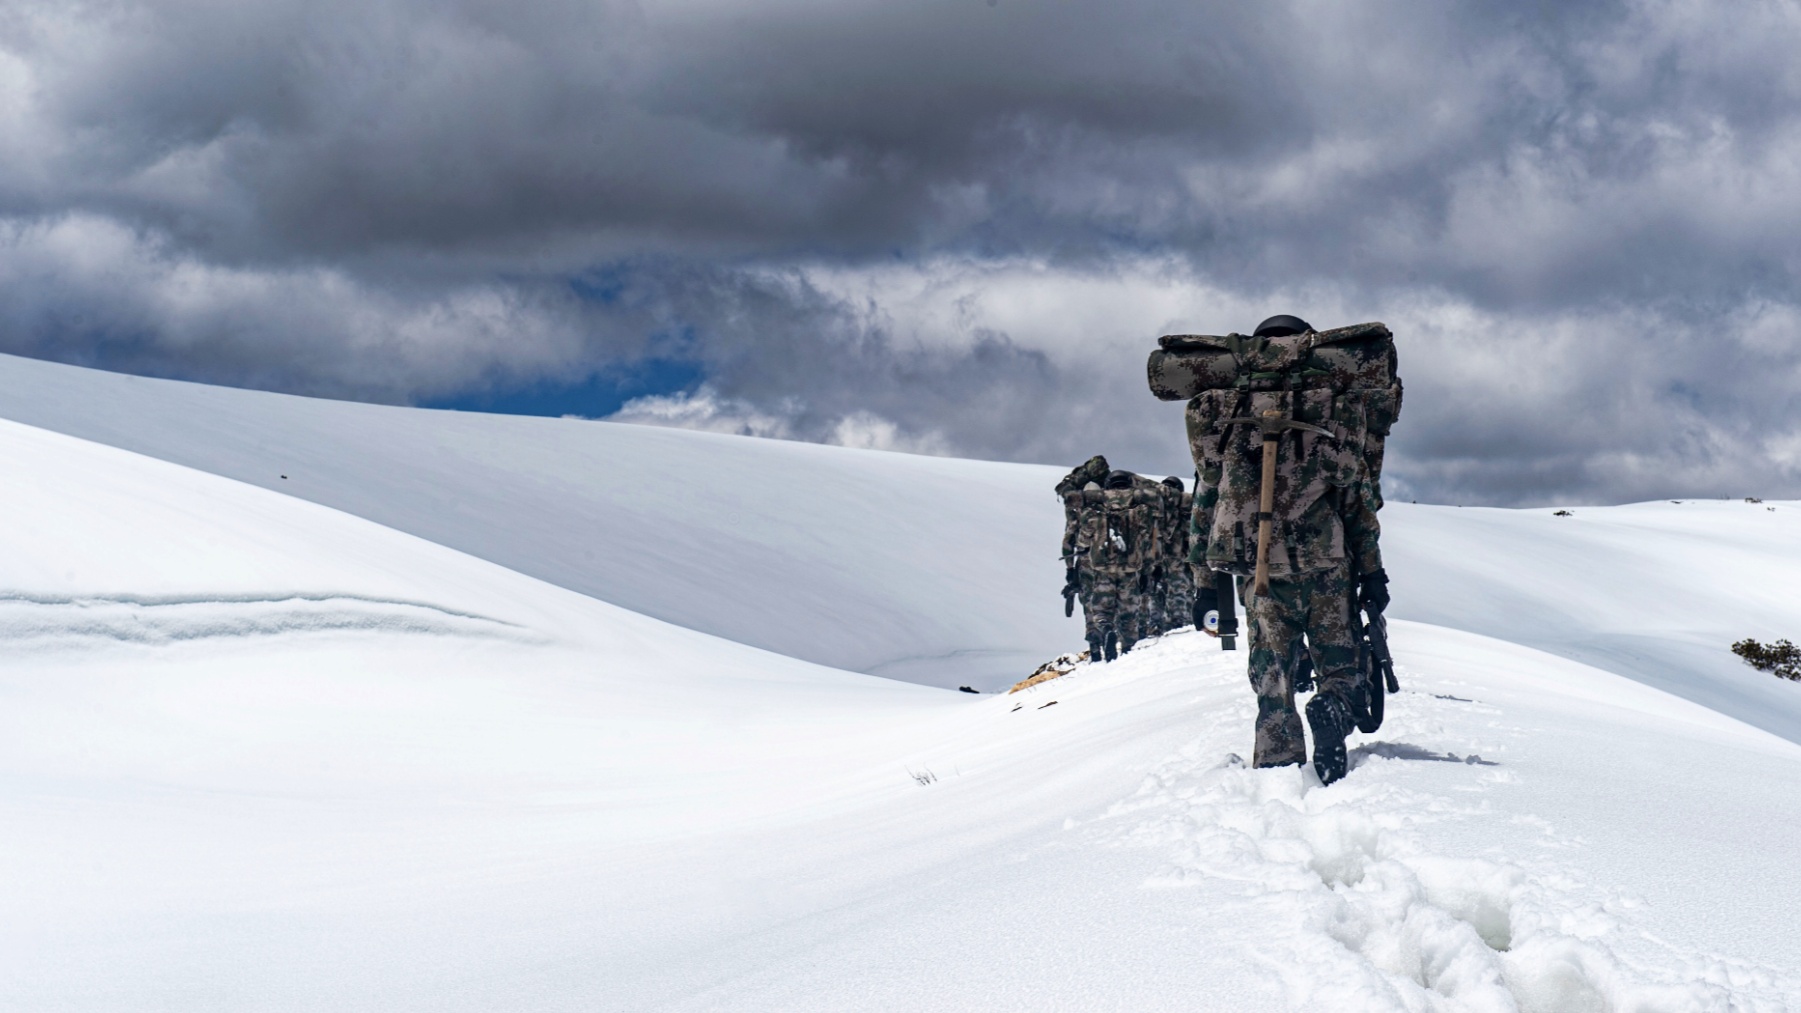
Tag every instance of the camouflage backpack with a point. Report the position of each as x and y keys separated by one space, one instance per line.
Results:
x=1095 y=469
x=1323 y=400
x=1117 y=529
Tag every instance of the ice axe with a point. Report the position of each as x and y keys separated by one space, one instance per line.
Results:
x=1272 y=425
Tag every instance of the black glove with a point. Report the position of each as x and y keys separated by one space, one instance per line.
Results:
x=1069 y=577
x=1206 y=599
x=1372 y=592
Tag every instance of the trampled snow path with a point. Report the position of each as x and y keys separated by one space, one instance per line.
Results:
x=1374 y=913
x=1524 y=834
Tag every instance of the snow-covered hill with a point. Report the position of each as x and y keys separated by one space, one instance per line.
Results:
x=1654 y=591
x=930 y=570
x=925 y=569
x=260 y=753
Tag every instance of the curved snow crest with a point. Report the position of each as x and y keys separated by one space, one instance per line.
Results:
x=70 y=622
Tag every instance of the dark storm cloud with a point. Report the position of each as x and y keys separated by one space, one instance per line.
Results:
x=789 y=359
x=856 y=217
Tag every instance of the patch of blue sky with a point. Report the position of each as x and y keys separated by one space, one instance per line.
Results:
x=597 y=395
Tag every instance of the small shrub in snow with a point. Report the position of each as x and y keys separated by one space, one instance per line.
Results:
x=1781 y=657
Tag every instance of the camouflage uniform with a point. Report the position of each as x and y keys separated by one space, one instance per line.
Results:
x=1113 y=531
x=1310 y=613
x=1178 y=577
x=1148 y=591
x=1094 y=470
x=1324 y=533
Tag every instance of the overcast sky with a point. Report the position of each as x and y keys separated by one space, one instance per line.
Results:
x=945 y=226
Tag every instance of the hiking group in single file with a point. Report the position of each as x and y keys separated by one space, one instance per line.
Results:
x=1287 y=427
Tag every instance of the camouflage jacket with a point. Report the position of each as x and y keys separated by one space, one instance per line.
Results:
x=1324 y=510
x=1092 y=470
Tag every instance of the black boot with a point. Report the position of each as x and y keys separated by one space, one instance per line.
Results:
x=1329 y=718
x=1112 y=645
x=1094 y=650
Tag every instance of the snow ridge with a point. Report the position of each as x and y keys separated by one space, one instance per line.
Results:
x=41 y=622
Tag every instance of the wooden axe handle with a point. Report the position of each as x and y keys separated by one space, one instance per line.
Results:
x=1266 y=504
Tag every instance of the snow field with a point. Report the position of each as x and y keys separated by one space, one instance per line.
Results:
x=1504 y=843
x=256 y=753
x=259 y=752
x=1657 y=592
x=936 y=571
x=924 y=569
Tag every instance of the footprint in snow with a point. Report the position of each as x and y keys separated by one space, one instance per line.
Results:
x=1357 y=912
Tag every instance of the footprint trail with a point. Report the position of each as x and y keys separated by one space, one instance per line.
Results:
x=1351 y=896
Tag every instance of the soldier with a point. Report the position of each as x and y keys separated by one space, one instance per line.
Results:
x=1178 y=579
x=1090 y=472
x=1133 y=505
x=1149 y=592
x=1327 y=564
x=1115 y=526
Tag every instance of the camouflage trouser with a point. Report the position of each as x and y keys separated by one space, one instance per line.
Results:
x=1309 y=611
x=1110 y=602
x=1148 y=605
x=1178 y=597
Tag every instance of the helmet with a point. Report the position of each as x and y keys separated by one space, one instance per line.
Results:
x=1119 y=480
x=1174 y=483
x=1281 y=326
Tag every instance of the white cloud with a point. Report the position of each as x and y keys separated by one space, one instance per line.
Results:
x=704 y=410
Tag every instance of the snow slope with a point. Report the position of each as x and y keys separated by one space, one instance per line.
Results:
x=1654 y=591
x=925 y=569
x=259 y=753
